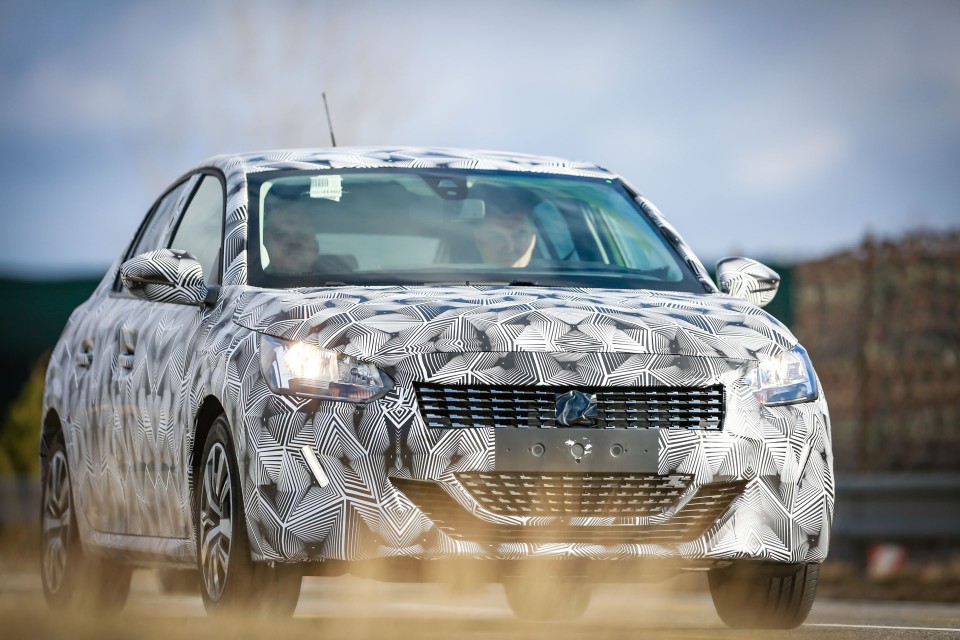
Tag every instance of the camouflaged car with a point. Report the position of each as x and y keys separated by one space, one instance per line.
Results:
x=419 y=363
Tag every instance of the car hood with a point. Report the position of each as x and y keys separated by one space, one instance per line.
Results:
x=383 y=323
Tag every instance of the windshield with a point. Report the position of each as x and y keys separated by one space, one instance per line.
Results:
x=410 y=227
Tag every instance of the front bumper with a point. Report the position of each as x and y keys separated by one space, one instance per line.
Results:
x=759 y=489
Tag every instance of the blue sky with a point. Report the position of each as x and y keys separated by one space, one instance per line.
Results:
x=778 y=130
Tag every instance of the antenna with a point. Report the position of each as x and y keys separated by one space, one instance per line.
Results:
x=326 y=108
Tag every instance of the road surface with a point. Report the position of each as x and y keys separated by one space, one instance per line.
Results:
x=348 y=607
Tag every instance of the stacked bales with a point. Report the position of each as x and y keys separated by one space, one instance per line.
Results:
x=882 y=324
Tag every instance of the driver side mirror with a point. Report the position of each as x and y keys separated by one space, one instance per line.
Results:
x=165 y=275
x=747 y=279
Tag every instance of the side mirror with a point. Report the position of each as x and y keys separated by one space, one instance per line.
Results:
x=166 y=275
x=748 y=279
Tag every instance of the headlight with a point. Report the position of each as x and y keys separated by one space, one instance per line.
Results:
x=298 y=368
x=784 y=379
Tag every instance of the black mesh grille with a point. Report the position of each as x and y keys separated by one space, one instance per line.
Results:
x=700 y=512
x=574 y=494
x=452 y=407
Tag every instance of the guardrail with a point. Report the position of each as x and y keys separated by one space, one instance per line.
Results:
x=887 y=507
x=898 y=507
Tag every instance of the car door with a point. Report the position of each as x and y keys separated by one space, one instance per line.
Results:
x=94 y=480
x=155 y=341
x=103 y=492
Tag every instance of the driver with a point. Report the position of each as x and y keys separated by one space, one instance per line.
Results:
x=289 y=235
x=506 y=236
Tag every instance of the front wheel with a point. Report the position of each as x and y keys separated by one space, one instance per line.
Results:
x=762 y=597
x=71 y=578
x=230 y=581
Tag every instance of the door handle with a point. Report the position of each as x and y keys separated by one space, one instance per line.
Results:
x=128 y=344
x=84 y=357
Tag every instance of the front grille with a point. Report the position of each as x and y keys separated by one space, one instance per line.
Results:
x=575 y=494
x=700 y=512
x=454 y=407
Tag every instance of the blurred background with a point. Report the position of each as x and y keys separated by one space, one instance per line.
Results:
x=822 y=138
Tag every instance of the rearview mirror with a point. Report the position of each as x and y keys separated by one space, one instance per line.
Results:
x=747 y=279
x=166 y=275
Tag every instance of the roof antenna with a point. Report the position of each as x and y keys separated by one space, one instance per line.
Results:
x=326 y=108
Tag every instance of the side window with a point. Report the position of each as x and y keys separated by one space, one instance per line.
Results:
x=201 y=227
x=150 y=235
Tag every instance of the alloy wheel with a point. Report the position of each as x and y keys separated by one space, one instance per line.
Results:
x=57 y=517
x=216 y=521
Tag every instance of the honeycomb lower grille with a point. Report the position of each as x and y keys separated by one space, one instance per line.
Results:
x=575 y=494
x=451 y=407
x=701 y=511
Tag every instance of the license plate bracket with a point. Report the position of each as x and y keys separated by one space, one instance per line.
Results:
x=577 y=450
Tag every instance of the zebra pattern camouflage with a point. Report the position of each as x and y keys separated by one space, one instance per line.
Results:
x=130 y=379
x=165 y=276
x=748 y=279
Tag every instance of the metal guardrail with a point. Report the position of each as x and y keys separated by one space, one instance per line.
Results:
x=898 y=507
x=880 y=507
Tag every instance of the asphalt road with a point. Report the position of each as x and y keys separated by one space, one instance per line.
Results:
x=348 y=607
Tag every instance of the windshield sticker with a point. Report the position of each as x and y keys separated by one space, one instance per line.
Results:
x=327 y=187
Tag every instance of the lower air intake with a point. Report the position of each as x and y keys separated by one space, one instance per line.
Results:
x=700 y=512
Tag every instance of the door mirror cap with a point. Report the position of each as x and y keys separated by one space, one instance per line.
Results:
x=748 y=279
x=165 y=275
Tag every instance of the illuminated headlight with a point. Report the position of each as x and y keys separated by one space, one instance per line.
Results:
x=784 y=379
x=298 y=368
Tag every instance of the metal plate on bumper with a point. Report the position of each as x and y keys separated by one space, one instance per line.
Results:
x=573 y=449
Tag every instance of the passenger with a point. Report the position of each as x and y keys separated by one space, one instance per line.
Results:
x=506 y=237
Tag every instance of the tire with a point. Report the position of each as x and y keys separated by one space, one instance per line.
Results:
x=72 y=579
x=542 y=600
x=230 y=582
x=764 y=598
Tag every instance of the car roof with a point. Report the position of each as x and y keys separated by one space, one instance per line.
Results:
x=409 y=157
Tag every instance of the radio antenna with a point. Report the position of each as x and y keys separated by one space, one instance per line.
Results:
x=326 y=108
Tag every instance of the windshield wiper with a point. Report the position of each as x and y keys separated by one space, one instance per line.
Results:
x=607 y=270
x=501 y=283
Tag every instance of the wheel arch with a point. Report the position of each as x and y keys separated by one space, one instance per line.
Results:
x=50 y=428
x=210 y=408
